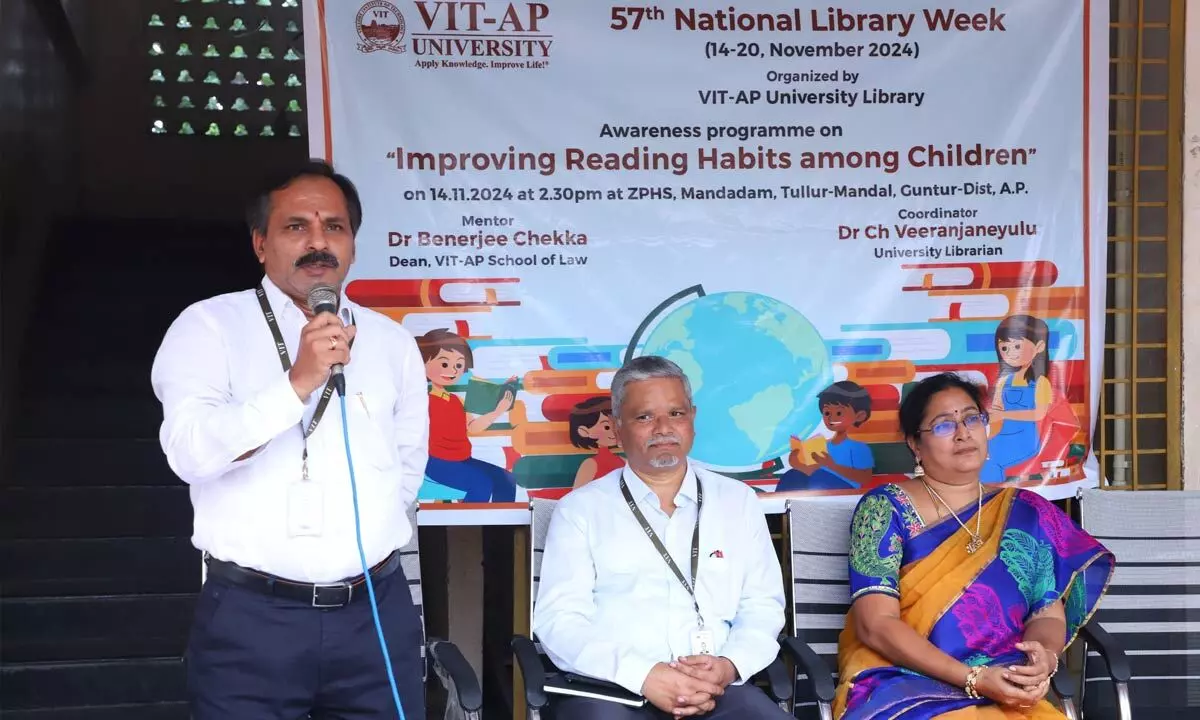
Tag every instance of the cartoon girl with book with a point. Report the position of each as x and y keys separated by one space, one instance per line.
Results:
x=1022 y=395
x=447 y=358
x=591 y=427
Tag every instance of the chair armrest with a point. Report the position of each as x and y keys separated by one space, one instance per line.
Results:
x=1063 y=682
x=779 y=685
x=449 y=661
x=820 y=679
x=532 y=672
x=1109 y=649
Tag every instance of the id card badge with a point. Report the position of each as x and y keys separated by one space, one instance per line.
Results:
x=702 y=642
x=306 y=509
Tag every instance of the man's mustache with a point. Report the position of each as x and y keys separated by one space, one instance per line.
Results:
x=317 y=257
x=663 y=439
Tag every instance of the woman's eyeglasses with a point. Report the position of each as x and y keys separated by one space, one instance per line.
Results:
x=947 y=427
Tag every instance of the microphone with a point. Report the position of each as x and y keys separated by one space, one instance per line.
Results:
x=322 y=299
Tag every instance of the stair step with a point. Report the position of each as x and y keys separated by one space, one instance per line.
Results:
x=48 y=462
x=95 y=627
x=79 y=272
x=156 y=711
x=43 y=568
x=128 y=308
x=95 y=512
x=93 y=337
x=30 y=686
x=95 y=237
x=126 y=376
x=148 y=320
x=189 y=251
x=135 y=414
x=141 y=285
x=113 y=362
x=107 y=376
x=135 y=337
x=99 y=575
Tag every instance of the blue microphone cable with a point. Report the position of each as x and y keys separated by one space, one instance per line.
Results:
x=362 y=556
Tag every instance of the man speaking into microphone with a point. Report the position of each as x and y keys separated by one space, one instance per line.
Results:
x=252 y=422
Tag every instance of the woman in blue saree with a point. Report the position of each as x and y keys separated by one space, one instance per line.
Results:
x=964 y=596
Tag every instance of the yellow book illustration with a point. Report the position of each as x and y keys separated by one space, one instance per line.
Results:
x=816 y=444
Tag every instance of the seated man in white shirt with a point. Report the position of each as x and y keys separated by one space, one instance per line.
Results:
x=610 y=606
x=283 y=625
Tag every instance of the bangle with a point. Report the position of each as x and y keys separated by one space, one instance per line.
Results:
x=972 y=678
x=1056 y=664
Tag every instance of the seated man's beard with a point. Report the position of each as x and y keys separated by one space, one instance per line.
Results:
x=663 y=461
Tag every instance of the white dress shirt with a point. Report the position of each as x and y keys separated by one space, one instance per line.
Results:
x=224 y=393
x=609 y=607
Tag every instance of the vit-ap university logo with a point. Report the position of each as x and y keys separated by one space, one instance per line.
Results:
x=380 y=27
x=479 y=35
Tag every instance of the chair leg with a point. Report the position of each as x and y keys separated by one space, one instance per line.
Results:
x=1123 y=700
x=1081 y=695
x=1069 y=709
x=826 y=710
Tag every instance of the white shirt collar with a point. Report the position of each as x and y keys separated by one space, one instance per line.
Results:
x=281 y=302
x=641 y=491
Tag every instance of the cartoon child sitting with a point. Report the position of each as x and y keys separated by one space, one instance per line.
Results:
x=848 y=463
x=447 y=357
x=592 y=428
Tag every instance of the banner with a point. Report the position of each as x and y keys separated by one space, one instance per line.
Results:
x=807 y=206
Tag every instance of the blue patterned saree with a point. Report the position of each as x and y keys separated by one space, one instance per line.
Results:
x=973 y=606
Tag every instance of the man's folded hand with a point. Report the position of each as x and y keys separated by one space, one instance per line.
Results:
x=716 y=670
x=673 y=691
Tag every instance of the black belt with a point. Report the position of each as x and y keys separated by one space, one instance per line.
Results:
x=330 y=595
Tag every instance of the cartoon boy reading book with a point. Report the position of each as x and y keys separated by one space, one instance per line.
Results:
x=447 y=357
x=843 y=462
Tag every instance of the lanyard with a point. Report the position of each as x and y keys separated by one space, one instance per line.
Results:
x=286 y=361
x=662 y=550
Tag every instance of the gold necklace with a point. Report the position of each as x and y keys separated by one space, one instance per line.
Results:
x=976 y=541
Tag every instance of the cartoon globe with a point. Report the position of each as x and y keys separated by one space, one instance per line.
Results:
x=756 y=366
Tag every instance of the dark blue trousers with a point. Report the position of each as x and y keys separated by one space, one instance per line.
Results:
x=254 y=656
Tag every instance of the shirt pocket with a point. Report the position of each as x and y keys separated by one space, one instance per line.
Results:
x=619 y=568
x=720 y=582
x=371 y=429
